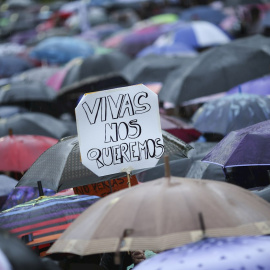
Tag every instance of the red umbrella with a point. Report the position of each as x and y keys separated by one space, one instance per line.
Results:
x=19 y=152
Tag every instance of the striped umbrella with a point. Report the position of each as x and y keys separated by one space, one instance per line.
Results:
x=43 y=220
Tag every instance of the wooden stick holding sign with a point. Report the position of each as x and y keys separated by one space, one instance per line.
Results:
x=119 y=130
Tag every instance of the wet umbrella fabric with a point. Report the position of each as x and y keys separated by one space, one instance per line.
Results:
x=11 y=65
x=243 y=147
x=18 y=254
x=10 y=110
x=153 y=68
x=258 y=86
x=179 y=49
x=245 y=252
x=7 y=184
x=241 y=60
x=231 y=112
x=21 y=195
x=203 y=13
x=26 y=91
x=36 y=124
x=60 y=166
x=196 y=34
x=44 y=218
x=19 y=152
x=165 y=214
x=60 y=50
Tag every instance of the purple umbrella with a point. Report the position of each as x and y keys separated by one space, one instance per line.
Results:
x=230 y=253
x=244 y=147
x=259 y=86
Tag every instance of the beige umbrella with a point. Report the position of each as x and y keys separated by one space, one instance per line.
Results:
x=163 y=214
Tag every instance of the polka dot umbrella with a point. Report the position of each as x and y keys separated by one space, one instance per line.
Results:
x=231 y=253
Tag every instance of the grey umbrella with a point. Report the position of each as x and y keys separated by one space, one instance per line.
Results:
x=36 y=124
x=218 y=69
x=60 y=167
x=153 y=68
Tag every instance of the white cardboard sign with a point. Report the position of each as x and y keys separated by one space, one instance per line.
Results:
x=119 y=130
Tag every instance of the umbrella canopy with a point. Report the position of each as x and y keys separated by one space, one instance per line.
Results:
x=21 y=195
x=9 y=110
x=7 y=184
x=203 y=13
x=231 y=112
x=153 y=68
x=11 y=65
x=60 y=50
x=26 y=91
x=18 y=254
x=258 y=86
x=239 y=61
x=245 y=252
x=197 y=34
x=179 y=49
x=45 y=218
x=165 y=214
x=60 y=166
x=19 y=152
x=244 y=147
x=36 y=124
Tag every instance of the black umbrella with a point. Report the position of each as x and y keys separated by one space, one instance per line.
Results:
x=36 y=124
x=26 y=91
x=218 y=70
x=60 y=166
x=18 y=254
x=70 y=95
x=96 y=65
x=153 y=68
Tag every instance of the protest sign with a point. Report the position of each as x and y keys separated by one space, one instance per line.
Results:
x=119 y=130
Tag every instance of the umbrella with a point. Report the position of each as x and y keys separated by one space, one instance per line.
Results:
x=197 y=34
x=239 y=61
x=258 y=86
x=96 y=65
x=38 y=74
x=8 y=48
x=243 y=147
x=231 y=112
x=19 y=152
x=21 y=195
x=7 y=111
x=245 y=252
x=166 y=213
x=60 y=50
x=153 y=68
x=44 y=219
x=36 y=124
x=179 y=49
x=26 y=91
x=18 y=254
x=60 y=166
x=11 y=65
x=203 y=13
x=72 y=93
x=7 y=184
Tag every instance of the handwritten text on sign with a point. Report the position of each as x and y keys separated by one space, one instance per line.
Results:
x=119 y=130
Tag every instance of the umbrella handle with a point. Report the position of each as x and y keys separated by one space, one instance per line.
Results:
x=40 y=189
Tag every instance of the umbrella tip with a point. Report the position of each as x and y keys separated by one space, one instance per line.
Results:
x=10 y=131
x=167 y=167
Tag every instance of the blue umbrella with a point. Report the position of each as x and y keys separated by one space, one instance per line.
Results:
x=203 y=13
x=173 y=49
x=60 y=50
x=197 y=34
x=11 y=65
x=230 y=253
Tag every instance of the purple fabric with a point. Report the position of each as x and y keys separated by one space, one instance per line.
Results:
x=244 y=147
x=259 y=86
x=231 y=253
